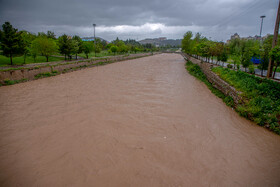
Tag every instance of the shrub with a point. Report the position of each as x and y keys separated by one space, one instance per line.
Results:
x=252 y=69
x=229 y=66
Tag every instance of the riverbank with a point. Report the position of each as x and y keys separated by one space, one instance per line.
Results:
x=252 y=97
x=13 y=75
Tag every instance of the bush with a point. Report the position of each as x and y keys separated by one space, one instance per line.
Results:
x=252 y=69
x=229 y=66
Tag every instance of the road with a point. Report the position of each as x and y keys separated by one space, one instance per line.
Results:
x=142 y=122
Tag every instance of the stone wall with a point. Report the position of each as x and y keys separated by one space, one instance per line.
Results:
x=29 y=73
x=215 y=80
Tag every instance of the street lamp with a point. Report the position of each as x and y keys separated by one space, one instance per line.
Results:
x=94 y=25
x=261 y=25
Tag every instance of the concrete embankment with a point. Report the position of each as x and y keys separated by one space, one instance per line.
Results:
x=26 y=73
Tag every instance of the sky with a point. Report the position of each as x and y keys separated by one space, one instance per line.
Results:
x=140 y=19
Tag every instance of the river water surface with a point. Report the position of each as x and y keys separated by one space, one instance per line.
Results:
x=143 y=122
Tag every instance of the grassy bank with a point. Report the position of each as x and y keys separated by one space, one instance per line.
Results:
x=261 y=97
x=5 y=61
x=195 y=70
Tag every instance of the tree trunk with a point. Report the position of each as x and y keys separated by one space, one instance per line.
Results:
x=76 y=57
x=24 y=58
x=11 y=58
x=64 y=56
x=47 y=58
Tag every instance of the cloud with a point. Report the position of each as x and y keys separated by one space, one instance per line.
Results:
x=217 y=19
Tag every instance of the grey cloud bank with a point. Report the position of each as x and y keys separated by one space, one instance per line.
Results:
x=217 y=19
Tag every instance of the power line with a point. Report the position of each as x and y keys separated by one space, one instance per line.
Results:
x=241 y=13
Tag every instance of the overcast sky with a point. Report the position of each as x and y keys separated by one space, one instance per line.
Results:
x=139 y=19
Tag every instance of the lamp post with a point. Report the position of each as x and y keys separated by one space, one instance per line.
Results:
x=94 y=25
x=261 y=26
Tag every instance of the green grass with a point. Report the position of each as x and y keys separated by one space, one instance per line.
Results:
x=47 y=74
x=11 y=82
x=195 y=70
x=5 y=61
x=261 y=97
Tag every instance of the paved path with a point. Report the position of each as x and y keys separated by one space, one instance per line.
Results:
x=143 y=122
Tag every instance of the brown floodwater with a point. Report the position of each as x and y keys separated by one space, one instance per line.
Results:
x=143 y=122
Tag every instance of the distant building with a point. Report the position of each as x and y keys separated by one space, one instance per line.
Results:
x=162 y=41
x=235 y=36
x=89 y=39
x=256 y=37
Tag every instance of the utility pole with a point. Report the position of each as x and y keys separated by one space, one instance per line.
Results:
x=274 y=42
x=261 y=25
x=94 y=25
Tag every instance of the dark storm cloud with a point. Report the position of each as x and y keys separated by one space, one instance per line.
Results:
x=146 y=18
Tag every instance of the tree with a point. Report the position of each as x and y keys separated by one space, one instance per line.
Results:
x=224 y=57
x=80 y=45
x=246 y=59
x=27 y=40
x=45 y=46
x=87 y=48
x=219 y=51
x=64 y=45
x=97 y=48
x=114 y=49
x=187 y=43
x=51 y=35
x=275 y=55
x=33 y=50
x=11 y=41
x=73 y=48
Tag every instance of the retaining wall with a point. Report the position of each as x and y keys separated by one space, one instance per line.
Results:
x=215 y=80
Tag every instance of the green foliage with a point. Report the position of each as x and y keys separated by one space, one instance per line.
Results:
x=45 y=46
x=11 y=41
x=67 y=46
x=87 y=48
x=252 y=69
x=47 y=74
x=229 y=66
x=275 y=55
x=114 y=49
x=11 y=82
x=187 y=43
x=5 y=61
x=261 y=96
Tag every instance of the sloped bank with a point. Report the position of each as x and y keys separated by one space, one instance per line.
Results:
x=257 y=102
x=215 y=80
x=22 y=74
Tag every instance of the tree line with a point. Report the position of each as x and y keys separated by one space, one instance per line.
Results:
x=236 y=51
x=22 y=43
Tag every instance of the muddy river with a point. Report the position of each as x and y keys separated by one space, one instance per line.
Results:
x=143 y=122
